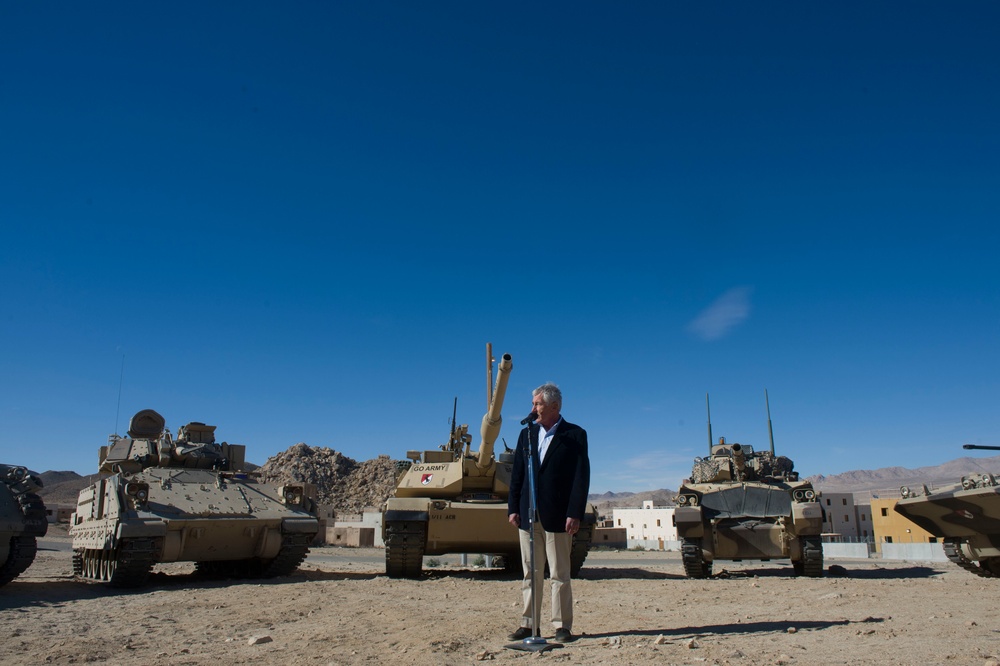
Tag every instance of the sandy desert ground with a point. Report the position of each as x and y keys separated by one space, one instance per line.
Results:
x=631 y=607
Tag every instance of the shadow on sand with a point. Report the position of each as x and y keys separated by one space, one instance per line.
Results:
x=631 y=573
x=835 y=571
x=53 y=591
x=736 y=629
x=587 y=573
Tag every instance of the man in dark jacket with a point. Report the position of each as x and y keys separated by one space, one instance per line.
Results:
x=562 y=481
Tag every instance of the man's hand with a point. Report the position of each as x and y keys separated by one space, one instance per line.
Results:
x=572 y=526
x=515 y=520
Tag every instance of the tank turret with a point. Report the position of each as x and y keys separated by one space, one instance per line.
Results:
x=22 y=520
x=452 y=500
x=453 y=471
x=150 y=444
x=964 y=515
x=167 y=499
x=745 y=504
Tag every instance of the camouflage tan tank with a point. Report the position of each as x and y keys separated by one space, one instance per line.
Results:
x=965 y=515
x=162 y=499
x=22 y=520
x=741 y=504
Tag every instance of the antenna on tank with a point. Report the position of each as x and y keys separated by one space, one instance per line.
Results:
x=770 y=432
x=121 y=380
x=454 y=414
x=709 y=410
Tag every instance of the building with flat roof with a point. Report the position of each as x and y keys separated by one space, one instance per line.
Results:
x=892 y=527
x=649 y=525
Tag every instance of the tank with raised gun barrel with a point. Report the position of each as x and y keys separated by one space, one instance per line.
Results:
x=964 y=515
x=454 y=500
x=161 y=499
x=22 y=520
x=744 y=504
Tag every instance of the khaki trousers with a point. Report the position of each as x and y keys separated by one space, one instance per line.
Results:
x=553 y=547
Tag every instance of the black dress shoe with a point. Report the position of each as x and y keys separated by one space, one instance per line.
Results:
x=520 y=634
x=563 y=636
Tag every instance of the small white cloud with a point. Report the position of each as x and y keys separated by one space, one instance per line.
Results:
x=726 y=312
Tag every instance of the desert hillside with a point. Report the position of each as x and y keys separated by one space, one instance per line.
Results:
x=351 y=486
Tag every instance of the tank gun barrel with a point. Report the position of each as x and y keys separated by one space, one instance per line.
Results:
x=739 y=458
x=982 y=447
x=492 y=420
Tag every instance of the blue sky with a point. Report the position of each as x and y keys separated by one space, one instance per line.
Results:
x=302 y=223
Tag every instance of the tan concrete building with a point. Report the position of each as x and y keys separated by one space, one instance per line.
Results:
x=59 y=513
x=891 y=527
x=351 y=537
x=610 y=537
x=371 y=518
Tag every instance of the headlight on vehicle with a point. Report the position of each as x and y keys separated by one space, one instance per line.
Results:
x=292 y=495
x=138 y=491
x=17 y=473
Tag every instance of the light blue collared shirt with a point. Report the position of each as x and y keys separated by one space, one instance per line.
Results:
x=545 y=438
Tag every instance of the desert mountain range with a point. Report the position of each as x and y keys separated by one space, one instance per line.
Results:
x=349 y=486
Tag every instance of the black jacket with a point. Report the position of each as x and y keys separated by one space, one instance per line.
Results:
x=562 y=480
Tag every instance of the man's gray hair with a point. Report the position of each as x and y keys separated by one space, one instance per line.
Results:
x=550 y=394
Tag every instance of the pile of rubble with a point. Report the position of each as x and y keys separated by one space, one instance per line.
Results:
x=344 y=483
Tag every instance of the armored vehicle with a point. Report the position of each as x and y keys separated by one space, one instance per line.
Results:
x=161 y=499
x=745 y=504
x=454 y=500
x=965 y=515
x=22 y=520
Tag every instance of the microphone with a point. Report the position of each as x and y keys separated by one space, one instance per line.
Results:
x=530 y=418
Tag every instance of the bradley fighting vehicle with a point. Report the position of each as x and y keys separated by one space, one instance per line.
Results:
x=452 y=500
x=745 y=504
x=22 y=520
x=965 y=515
x=162 y=499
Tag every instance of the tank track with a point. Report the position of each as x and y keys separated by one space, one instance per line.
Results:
x=294 y=548
x=812 y=557
x=953 y=550
x=24 y=546
x=128 y=565
x=405 y=542
x=580 y=549
x=22 y=554
x=293 y=551
x=695 y=565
